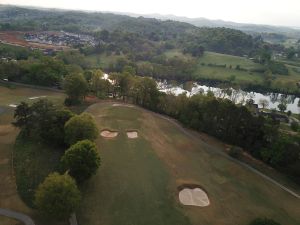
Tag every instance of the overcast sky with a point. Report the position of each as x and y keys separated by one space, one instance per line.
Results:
x=273 y=12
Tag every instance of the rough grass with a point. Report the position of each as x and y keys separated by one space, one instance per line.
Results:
x=33 y=161
x=138 y=180
x=9 y=197
x=18 y=94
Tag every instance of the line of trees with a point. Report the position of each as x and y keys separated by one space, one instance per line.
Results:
x=58 y=195
x=231 y=123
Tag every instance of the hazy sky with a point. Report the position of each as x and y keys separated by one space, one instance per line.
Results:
x=274 y=12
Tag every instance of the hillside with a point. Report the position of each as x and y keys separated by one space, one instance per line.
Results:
x=222 y=40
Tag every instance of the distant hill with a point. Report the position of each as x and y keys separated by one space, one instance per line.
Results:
x=179 y=34
x=247 y=28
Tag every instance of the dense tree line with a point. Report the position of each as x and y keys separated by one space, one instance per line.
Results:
x=46 y=71
x=221 y=118
x=58 y=195
x=142 y=32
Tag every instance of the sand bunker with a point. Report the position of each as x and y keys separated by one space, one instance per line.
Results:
x=109 y=134
x=37 y=97
x=132 y=134
x=13 y=105
x=125 y=105
x=193 y=197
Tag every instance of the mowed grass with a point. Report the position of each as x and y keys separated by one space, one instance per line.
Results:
x=204 y=71
x=131 y=186
x=138 y=179
x=9 y=197
x=221 y=59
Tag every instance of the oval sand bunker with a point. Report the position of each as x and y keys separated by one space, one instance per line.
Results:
x=109 y=134
x=132 y=134
x=194 y=197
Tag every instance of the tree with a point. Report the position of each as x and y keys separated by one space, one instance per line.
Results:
x=82 y=160
x=58 y=196
x=52 y=130
x=295 y=126
x=76 y=88
x=263 y=221
x=264 y=103
x=98 y=85
x=79 y=128
x=22 y=116
x=282 y=107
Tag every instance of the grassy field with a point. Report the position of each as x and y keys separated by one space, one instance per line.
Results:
x=221 y=59
x=101 y=60
x=8 y=194
x=203 y=71
x=138 y=179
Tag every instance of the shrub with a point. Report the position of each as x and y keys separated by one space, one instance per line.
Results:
x=295 y=126
x=235 y=152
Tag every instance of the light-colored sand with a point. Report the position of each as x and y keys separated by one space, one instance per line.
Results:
x=13 y=105
x=132 y=134
x=109 y=134
x=194 y=197
x=124 y=105
x=36 y=97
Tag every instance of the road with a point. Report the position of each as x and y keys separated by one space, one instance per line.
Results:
x=16 y=215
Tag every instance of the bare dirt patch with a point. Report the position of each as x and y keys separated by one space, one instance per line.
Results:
x=132 y=134
x=109 y=133
x=193 y=195
x=5 y=129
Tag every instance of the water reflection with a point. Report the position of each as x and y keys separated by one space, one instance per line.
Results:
x=235 y=95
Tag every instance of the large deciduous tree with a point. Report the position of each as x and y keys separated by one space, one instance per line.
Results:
x=82 y=160
x=76 y=88
x=79 y=128
x=58 y=196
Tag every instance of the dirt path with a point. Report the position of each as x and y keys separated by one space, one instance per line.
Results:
x=16 y=215
x=216 y=150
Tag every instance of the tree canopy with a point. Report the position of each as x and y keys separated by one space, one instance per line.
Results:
x=76 y=88
x=58 y=196
x=79 y=128
x=81 y=160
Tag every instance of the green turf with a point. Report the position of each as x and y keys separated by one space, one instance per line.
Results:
x=17 y=94
x=221 y=59
x=203 y=71
x=28 y=160
x=131 y=186
x=137 y=182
